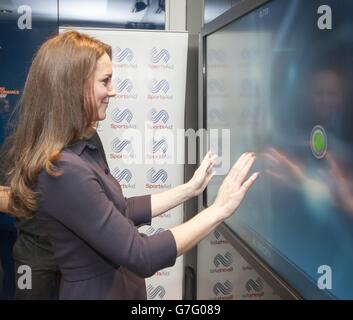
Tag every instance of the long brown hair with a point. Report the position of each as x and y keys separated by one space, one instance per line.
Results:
x=56 y=108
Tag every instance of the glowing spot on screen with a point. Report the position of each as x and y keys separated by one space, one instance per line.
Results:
x=318 y=196
x=319 y=142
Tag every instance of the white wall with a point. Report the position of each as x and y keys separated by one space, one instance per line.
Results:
x=175 y=15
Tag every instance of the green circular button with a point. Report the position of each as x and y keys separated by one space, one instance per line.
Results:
x=318 y=142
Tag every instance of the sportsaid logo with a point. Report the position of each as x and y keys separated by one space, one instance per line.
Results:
x=124 y=85
x=153 y=175
x=158 y=149
x=159 y=59
x=159 y=55
x=159 y=119
x=155 y=292
x=222 y=291
x=161 y=116
x=124 y=178
x=122 y=119
x=122 y=149
x=123 y=54
x=124 y=89
x=151 y=231
x=123 y=58
x=159 y=145
x=157 y=179
x=222 y=263
x=161 y=86
x=218 y=239
x=254 y=288
x=159 y=90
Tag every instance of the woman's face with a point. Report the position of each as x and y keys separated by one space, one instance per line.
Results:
x=103 y=89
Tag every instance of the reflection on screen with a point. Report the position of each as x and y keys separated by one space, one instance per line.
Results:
x=284 y=87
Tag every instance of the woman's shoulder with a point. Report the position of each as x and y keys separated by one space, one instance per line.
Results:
x=71 y=155
x=68 y=165
x=69 y=159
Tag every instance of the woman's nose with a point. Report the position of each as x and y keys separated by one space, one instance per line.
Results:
x=112 y=92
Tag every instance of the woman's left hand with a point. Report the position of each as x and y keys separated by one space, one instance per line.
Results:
x=203 y=174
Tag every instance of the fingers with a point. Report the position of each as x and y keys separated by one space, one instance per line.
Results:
x=208 y=162
x=209 y=178
x=248 y=183
x=212 y=159
x=243 y=172
x=239 y=165
x=211 y=163
x=206 y=158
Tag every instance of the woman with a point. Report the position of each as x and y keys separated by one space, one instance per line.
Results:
x=59 y=174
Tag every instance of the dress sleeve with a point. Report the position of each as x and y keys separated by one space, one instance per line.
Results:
x=139 y=209
x=77 y=200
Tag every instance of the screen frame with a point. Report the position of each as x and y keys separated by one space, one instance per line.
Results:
x=281 y=287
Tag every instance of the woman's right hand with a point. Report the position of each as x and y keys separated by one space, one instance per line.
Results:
x=235 y=186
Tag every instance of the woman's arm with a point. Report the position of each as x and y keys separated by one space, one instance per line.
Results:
x=230 y=195
x=164 y=201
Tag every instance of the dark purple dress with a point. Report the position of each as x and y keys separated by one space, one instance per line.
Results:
x=93 y=229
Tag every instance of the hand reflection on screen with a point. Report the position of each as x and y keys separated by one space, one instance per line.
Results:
x=332 y=185
x=292 y=174
x=284 y=169
x=341 y=185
